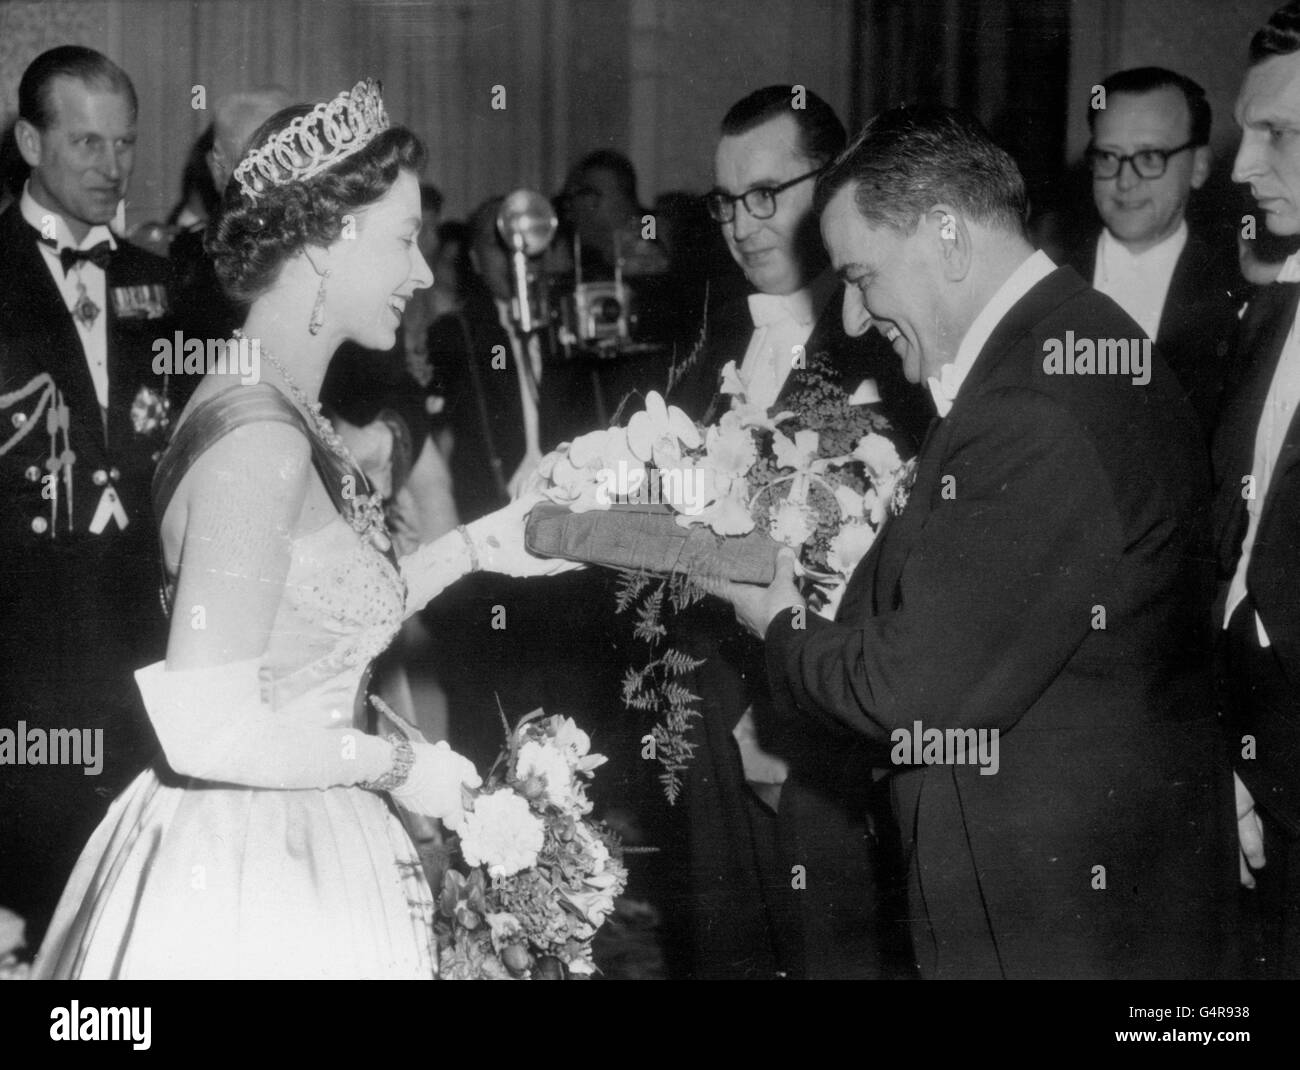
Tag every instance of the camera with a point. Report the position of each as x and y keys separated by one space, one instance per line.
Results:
x=597 y=312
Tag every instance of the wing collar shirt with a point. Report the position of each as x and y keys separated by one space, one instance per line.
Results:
x=1274 y=420
x=85 y=279
x=945 y=387
x=1138 y=283
x=782 y=322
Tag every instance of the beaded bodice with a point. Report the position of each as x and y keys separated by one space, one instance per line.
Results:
x=343 y=598
x=343 y=603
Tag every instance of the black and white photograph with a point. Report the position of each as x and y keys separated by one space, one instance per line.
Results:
x=780 y=490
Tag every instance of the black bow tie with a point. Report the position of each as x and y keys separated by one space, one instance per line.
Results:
x=99 y=254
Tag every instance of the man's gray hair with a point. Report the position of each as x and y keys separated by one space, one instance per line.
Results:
x=908 y=159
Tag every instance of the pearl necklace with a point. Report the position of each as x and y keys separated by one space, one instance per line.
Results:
x=365 y=512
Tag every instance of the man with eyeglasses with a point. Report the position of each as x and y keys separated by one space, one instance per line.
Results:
x=786 y=870
x=1149 y=151
x=774 y=144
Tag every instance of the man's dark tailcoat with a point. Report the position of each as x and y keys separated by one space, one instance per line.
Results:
x=1048 y=578
x=80 y=612
x=1199 y=318
x=1260 y=685
x=749 y=919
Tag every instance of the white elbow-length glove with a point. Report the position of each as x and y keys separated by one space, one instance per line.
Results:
x=213 y=725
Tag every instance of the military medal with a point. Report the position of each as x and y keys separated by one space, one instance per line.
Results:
x=85 y=311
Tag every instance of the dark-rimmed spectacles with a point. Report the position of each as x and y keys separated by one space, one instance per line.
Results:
x=759 y=202
x=1149 y=163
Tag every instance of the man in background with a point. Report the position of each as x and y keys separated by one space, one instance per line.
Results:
x=1150 y=150
x=202 y=308
x=750 y=818
x=83 y=419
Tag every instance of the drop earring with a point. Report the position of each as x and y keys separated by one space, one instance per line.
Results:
x=317 y=320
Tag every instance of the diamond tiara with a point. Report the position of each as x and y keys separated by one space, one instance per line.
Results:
x=330 y=132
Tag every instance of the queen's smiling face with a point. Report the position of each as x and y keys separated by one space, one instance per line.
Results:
x=379 y=266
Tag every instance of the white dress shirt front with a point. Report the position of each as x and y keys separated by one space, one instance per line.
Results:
x=783 y=324
x=94 y=336
x=1138 y=283
x=1274 y=420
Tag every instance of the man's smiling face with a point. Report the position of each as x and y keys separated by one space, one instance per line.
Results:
x=891 y=281
x=778 y=255
x=1142 y=212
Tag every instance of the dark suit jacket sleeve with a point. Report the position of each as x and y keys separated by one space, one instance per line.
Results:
x=996 y=593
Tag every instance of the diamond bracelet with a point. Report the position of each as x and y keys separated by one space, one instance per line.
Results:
x=396 y=774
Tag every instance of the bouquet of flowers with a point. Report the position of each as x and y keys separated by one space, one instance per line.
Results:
x=817 y=476
x=538 y=877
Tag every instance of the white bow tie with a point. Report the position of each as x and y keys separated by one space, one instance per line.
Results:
x=943 y=389
x=768 y=309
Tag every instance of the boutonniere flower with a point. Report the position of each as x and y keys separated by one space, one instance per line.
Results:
x=150 y=411
x=902 y=489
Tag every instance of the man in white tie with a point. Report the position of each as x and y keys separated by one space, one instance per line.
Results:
x=1149 y=153
x=787 y=876
x=83 y=418
x=1258 y=510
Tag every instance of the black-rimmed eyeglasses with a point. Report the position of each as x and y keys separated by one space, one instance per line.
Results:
x=1149 y=163
x=759 y=202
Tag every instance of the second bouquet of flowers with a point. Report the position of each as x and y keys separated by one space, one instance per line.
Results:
x=537 y=877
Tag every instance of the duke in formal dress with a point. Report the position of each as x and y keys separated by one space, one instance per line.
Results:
x=1046 y=580
x=84 y=418
x=749 y=820
x=1150 y=151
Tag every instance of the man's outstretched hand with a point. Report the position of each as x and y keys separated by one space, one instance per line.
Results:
x=756 y=606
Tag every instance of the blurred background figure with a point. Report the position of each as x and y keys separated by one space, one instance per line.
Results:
x=200 y=304
x=600 y=207
x=422 y=308
x=200 y=198
x=487 y=379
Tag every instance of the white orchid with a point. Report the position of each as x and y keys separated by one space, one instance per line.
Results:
x=849 y=546
x=793 y=523
x=798 y=453
x=730 y=448
x=582 y=476
x=661 y=432
x=851 y=503
x=728 y=513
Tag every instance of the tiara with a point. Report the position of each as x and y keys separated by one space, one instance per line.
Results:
x=330 y=132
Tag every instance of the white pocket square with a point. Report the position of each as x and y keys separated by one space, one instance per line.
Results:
x=865 y=394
